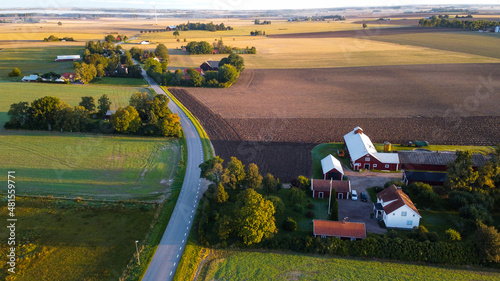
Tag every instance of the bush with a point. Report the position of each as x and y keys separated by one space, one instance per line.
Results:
x=279 y=206
x=289 y=224
x=310 y=214
x=397 y=183
x=377 y=189
x=310 y=206
x=298 y=208
x=15 y=72
x=453 y=235
x=476 y=212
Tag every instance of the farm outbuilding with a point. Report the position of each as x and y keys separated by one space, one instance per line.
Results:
x=363 y=155
x=341 y=229
x=68 y=58
x=434 y=160
x=332 y=168
x=31 y=78
x=210 y=65
x=431 y=178
x=321 y=188
x=68 y=76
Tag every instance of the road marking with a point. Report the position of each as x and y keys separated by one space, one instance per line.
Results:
x=185 y=234
x=189 y=222
x=191 y=217
x=187 y=227
x=177 y=255
x=180 y=248
x=175 y=263
x=183 y=240
x=170 y=272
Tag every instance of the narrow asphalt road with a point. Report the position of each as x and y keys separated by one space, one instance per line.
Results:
x=169 y=252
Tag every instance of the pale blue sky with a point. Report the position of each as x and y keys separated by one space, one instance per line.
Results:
x=223 y=4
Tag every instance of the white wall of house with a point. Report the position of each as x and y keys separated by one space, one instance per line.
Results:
x=404 y=217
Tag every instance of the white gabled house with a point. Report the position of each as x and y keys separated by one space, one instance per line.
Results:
x=396 y=209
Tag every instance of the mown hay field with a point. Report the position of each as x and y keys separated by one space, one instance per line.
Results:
x=278 y=266
x=70 y=240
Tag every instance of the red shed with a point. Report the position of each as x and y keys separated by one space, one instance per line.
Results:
x=321 y=188
x=332 y=169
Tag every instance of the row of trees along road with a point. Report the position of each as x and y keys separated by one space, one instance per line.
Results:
x=146 y=115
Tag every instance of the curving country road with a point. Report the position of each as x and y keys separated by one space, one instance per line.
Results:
x=169 y=252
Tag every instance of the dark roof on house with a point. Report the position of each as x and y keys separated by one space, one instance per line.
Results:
x=339 y=228
x=436 y=158
x=425 y=176
x=321 y=185
x=213 y=63
x=341 y=186
x=68 y=75
x=394 y=193
x=378 y=206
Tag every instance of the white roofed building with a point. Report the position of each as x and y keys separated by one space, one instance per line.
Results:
x=31 y=78
x=68 y=58
x=332 y=169
x=363 y=155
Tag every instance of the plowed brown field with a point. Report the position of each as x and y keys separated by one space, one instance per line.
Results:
x=275 y=117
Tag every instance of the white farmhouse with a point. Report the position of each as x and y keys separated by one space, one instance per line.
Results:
x=396 y=209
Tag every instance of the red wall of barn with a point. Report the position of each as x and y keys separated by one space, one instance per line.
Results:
x=326 y=194
x=380 y=165
x=333 y=174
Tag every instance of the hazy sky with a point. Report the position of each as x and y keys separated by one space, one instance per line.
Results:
x=223 y=4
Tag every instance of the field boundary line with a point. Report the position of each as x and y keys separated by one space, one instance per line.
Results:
x=208 y=149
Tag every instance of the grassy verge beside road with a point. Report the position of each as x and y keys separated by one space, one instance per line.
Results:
x=205 y=141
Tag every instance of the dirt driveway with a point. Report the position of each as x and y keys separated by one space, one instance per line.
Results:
x=358 y=211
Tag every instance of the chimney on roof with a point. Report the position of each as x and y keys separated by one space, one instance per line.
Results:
x=358 y=130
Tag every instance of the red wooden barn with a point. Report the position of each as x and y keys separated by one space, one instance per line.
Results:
x=363 y=154
x=321 y=188
x=332 y=169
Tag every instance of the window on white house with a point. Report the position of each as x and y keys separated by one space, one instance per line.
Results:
x=387 y=165
x=393 y=214
x=403 y=214
x=374 y=165
x=367 y=159
x=409 y=222
x=413 y=214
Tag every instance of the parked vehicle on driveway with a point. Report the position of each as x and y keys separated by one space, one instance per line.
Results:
x=364 y=197
x=354 y=195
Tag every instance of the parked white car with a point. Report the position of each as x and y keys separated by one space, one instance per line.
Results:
x=354 y=195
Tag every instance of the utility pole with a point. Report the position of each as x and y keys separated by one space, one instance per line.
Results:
x=137 y=249
x=330 y=198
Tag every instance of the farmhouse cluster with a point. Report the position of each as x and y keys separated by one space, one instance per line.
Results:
x=393 y=206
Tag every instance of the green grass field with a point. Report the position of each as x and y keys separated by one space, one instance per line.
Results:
x=35 y=60
x=86 y=165
x=66 y=240
x=463 y=42
x=275 y=266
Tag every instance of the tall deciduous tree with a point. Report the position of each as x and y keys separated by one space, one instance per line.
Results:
x=141 y=102
x=88 y=103
x=236 y=61
x=254 y=217
x=227 y=73
x=103 y=105
x=461 y=175
x=208 y=165
x=44 y=111
x=234 y=174
x=253 y=178
x=161 y=51
x=221 y=195
x=19 y=114
x=170 y=126
x=487 y=241
x=86 y=72
x=269 y=183
x=126 y=120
